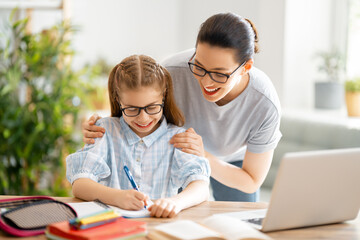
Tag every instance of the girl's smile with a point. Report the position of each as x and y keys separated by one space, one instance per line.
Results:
x=143 y=125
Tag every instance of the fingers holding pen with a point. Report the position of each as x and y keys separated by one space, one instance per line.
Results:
x=132 y=199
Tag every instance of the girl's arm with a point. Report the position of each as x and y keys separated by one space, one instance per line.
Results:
x=90 y=190
x=195 y=193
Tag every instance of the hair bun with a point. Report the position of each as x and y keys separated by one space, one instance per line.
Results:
x=256 y=39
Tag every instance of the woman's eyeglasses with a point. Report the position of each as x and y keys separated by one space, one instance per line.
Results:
x=135 y=111
x=215 y=76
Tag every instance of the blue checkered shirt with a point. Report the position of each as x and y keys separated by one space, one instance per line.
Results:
x=158 y=168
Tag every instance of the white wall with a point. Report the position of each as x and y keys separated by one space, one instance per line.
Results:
x=290 y=32
x=115 y=29
x=310 y=26
x=267 y=16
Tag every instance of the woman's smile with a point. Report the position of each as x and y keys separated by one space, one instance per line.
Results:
x=210 y=91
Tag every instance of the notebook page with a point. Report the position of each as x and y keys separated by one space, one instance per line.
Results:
x=233 y=228
x=143 y=213
x=186 y=229
x=87 y=208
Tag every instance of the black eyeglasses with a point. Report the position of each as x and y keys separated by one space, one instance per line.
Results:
x=135 y=111
x=215 y=76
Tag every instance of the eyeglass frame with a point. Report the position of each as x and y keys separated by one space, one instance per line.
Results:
x=210 y=72
x=141 y=108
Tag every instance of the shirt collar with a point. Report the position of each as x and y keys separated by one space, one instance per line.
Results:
x=132 y=138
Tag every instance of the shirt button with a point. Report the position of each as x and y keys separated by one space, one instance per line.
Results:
x=141 y=141
x=138 y=159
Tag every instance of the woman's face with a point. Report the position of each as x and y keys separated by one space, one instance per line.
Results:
x=144 y=123
x=221 y=60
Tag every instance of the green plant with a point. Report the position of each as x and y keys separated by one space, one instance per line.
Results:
x=332 y=64
x=352 y=85
x=39 y=105
x=98 y=95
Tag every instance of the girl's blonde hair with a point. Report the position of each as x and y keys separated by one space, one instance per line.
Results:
x=142 y=71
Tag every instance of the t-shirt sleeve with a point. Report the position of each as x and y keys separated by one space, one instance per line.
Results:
x=188 y=167
x=267 y=135
x=89 y=162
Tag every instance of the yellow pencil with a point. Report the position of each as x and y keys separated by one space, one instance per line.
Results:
x=98 y=218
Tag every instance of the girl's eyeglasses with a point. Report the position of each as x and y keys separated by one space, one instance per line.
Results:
x=215 y=76
x=135 y=111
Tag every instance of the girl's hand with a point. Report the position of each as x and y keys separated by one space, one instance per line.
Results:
x=189 y=142
x=131 y=199
x=165 y=208
x=91 y=131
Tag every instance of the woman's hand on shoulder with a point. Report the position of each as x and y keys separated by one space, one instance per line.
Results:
x=91 y=131
x=165 y=208
x=189 y=142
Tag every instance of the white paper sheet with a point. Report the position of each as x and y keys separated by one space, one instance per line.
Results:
x=86 y=208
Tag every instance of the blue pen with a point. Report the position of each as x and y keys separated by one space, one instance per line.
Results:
x=131 y=179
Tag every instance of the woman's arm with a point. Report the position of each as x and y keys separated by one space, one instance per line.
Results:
x=90 y=190
x=195 y=193
x=248 y=178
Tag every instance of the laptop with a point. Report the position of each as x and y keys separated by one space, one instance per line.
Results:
x=311 y=188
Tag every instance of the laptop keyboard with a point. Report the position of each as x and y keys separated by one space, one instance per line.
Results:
x=257 y=221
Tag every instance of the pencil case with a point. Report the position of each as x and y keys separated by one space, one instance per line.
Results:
x=29 y=216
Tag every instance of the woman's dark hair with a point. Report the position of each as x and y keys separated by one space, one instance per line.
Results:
x=228 y=30
x=143 y=71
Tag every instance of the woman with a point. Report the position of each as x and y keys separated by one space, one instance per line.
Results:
x=231 y=108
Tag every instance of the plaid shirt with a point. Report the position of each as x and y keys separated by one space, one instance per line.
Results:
x=158 y=168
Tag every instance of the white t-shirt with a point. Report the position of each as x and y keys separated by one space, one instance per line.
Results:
x=251 y=121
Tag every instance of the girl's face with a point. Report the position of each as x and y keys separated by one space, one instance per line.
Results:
x=142 y=124
x=220 y=60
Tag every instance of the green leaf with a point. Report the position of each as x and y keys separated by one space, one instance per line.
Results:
x=6 y=133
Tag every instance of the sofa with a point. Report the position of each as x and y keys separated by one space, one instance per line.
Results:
x=308 y=131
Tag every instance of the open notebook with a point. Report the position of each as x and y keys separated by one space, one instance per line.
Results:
x=86 y=208
x=213 y=227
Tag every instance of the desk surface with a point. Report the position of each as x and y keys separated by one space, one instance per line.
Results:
x=347 y=230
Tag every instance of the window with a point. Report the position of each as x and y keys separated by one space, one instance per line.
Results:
x=353 y=48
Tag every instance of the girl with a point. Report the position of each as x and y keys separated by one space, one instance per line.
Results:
x=144 y=118
x=231 y=107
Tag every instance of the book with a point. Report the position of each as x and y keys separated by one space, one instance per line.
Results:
x=122 y=228
x=88 y=208
x=213 y=227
